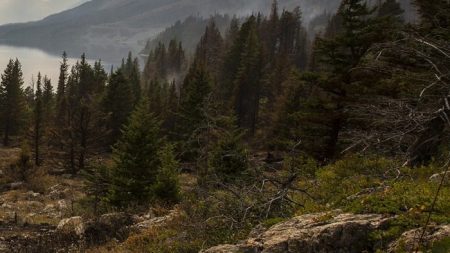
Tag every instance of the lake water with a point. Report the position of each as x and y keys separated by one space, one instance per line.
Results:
x=34 y=61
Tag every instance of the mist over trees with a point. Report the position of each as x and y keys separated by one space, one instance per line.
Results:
x=267 y=116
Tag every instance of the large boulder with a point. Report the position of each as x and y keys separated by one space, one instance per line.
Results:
x=73 y=225
x=108 y=227
x=408 y=242
x=313 y=233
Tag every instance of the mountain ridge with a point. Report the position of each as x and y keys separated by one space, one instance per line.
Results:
x=108 y=29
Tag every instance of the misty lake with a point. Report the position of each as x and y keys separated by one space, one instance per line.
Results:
x=34 y=61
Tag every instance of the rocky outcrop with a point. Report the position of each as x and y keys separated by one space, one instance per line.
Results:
x=147 y=222
x=74 y=225
x=408 y=242
x=71 y=235
x=313 y=233
x=107 y=227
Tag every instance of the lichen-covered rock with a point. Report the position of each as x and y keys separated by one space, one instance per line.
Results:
x=58 y=192
x=108 y=227
x=147 y=221
x=73 y=225
x=408 y=241
x=314 y=233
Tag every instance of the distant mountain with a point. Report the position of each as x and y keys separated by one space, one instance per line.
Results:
x=108 y=29
x=188 y=31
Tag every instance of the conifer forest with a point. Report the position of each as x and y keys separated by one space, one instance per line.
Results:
x=266 y=132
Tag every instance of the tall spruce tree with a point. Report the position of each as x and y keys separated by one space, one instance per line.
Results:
x=191 y=114
x=38 y=120
x=247 y=82
x=131 y=71
x=137 y=160
x=118 y=103
x=210 y=48
x=350 y=35
x=11 y=101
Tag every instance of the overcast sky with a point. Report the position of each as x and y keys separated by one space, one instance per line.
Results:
x=12 y=11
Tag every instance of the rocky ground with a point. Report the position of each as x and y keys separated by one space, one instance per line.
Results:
x=46 y=221
x=330 y=232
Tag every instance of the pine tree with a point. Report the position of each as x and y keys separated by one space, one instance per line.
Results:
x=194 y=95
x=83 y=130
x=99 y=77
x=38 y=120
x=47 y=100
x=247 y=82
x=167 y=187
x=272 y=31
x=137 y=160
x=209 y=50
x=131 y=71
x=228 y=159
x=349 y=37
x=61 y=103
x=170 y=115
x=11 y=101
x=62 y=81
x=118 y=103
x=155 y=97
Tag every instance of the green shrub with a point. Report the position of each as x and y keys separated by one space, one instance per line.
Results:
x=229 y=156
x=167 y=187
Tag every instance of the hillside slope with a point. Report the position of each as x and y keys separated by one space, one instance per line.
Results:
x=110 y=28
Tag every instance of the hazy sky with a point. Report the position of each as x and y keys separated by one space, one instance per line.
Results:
x=12 y=11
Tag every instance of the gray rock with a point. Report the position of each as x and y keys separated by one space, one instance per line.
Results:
x=58 y=192
x=108 y=227
x=323 y=232
x=155 y=221
x=408 y=241
x=74 y=225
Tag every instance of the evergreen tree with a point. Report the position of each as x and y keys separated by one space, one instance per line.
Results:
x=11 y=101
x=247 y=84
x=154 y=96
x=272 y=30
x=83 y=132
x=99 y=77
x=209 y=50
x=191 y=115
x=61 y=103
x=131 y=71
x=47 y=100
x=228 y=159
x=350 y=35
x=38 y=120
x=167 y=187
x=118 y=103
x=62 y=81
x=137 y=161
